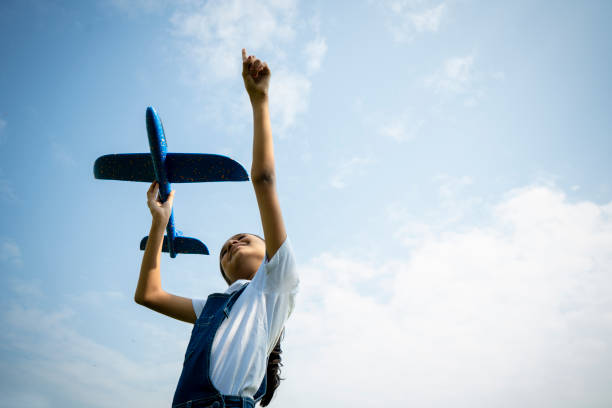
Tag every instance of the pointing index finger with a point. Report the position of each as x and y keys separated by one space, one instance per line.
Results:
x=244 y=56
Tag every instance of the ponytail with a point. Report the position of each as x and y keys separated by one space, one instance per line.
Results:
x=273 y=373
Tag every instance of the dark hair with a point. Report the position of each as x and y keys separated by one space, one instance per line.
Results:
x=274 y=359
x=273 y=372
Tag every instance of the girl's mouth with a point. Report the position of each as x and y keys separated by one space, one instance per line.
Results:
x=233 y=249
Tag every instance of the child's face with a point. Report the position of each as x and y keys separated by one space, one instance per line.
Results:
x=241 y=256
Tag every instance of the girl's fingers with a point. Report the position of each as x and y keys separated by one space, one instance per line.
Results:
x=265 y=69
x=256 y=65
x=245 y=62
x=250 y=63
x=152 y=192
x=170 y=200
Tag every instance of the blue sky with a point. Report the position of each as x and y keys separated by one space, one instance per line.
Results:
x=443 y=169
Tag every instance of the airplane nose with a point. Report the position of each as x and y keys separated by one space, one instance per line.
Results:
x=151 y=117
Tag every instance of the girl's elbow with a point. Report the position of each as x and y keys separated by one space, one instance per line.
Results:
x=263 y=178
x=143 y=299
x=138 y=298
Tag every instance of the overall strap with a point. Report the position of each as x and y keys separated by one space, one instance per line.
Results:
x=233 y=298
x=194 y=383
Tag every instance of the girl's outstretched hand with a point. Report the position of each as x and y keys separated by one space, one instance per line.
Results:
x=160 y=211
x=256 y=75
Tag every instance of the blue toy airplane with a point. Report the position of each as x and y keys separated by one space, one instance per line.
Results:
x=168 y=168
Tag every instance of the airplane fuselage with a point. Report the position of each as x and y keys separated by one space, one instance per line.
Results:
x=159 y=148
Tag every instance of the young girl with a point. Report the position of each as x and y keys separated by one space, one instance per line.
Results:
x=228 y=361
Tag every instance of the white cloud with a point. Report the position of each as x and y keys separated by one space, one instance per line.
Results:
x=455 y=76
x=499 y=75
x=212 y=34
x=215 y=32
x=408 y=17
x=458 y=78
x=346 y=169
x=400 y=128
x=10 y=252
x=457 y=208
x=289 y=94
x=428 y=19
x=518 y=310
x=315 y=51
x=449 y=186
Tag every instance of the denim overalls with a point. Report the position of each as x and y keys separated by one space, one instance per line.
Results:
x=195 y=389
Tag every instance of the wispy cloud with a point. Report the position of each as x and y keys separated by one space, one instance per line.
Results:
x=456 y=208
x=291 y=92
x=406 y=18
x=401 y=127
x=62 y=155
x=99 y=298
x=72 y=369
x=10 y=252
x=7 y=192
x=345 y=169
x=458 y=78
x=211 y=35
x=27 y=288
x=465 y=316
x=314 y=52
x=134 y=7
x=428 y=19
x=2 y=126
x=449 y=185
x=214 y=33
x=456 y=75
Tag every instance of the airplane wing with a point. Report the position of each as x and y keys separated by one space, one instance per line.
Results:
x=180 y=168
x=182 y=245
x=198 y=167
x=128 y=167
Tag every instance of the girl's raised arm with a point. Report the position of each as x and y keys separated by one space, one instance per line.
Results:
x=149 y=290
x=256 y=75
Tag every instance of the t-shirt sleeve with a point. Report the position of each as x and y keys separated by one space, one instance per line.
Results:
x=198 y=306
x=278 y=280
x=280 y=271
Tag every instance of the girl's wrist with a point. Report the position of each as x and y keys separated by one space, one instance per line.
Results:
x=259 y=100
x=158 y=224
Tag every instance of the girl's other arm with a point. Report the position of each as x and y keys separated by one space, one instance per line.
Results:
x=256 y=75
x=149 y=290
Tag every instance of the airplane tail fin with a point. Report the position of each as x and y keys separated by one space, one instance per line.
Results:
x=182 y=245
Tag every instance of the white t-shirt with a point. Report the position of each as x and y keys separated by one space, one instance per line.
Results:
x=244 y=341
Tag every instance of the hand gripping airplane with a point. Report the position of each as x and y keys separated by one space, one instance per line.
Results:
x=168 y=168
